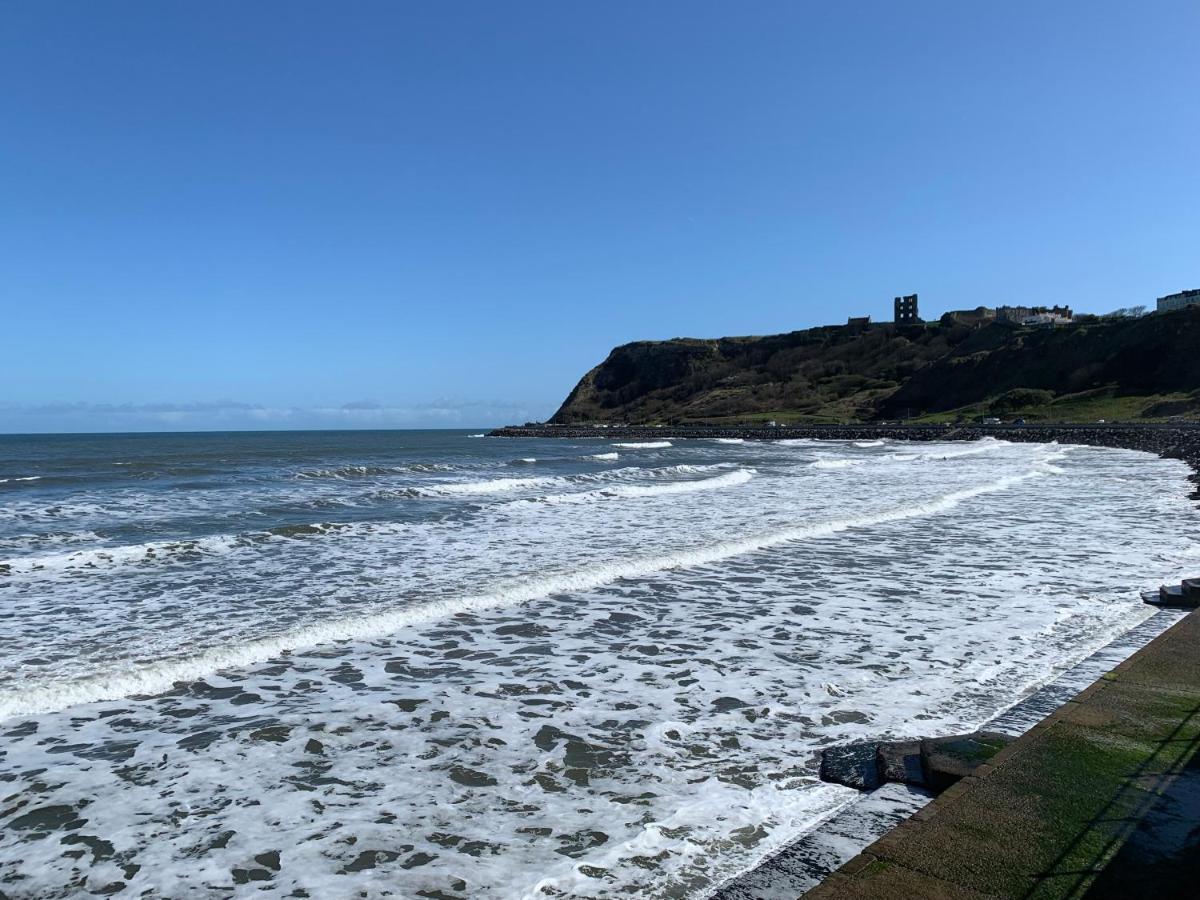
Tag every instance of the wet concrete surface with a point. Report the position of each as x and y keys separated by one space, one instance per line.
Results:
x=1101 y=799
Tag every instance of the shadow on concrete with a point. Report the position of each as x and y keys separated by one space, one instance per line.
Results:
x=1154 y=825
x=1161 y=857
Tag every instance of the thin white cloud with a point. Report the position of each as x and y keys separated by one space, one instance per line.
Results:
x=234 y=415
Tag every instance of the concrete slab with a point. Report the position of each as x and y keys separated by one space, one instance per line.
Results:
x=1174 y=662
x=881 y=882
x=1103 y=795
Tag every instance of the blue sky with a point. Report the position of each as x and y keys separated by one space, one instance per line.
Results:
x=227 y=214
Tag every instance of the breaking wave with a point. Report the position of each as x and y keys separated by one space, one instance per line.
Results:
x=346 y=472
x=620 y=491
x=835 y=464
x=97 y=557
x=141 y=679
x=502 y=485
x=491 y=486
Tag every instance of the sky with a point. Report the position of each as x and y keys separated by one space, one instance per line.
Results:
x=439 y=214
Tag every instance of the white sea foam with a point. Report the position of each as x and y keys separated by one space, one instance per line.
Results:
x=656 y=667
x=364 y=471
x=644 y=445
x=155 y=678
x=604 y=456
x=729 y=440
x=630 y=491
x=491 y=486
x=107 y=555
x=827 y=463
x=868 y=443
x=984 y=445
x=24 y=478
x=624 y=482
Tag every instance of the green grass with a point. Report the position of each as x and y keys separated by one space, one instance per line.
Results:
x=1087 y=406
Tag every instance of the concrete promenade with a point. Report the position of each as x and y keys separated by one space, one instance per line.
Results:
x=1100 y=800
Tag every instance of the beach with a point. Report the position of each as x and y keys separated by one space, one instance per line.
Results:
x=444 y=663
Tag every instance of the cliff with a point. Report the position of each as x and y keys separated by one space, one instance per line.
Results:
x=1143 y=368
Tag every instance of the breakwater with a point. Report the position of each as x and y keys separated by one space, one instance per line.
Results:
x=1173 y=441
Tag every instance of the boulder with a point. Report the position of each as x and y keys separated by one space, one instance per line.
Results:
x=852 y=765
x=901 y=761
x=947 y=760
x=934 y=763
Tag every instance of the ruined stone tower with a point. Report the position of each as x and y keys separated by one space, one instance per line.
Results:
x=906 y=310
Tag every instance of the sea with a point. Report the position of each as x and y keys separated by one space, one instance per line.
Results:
x=438 y=664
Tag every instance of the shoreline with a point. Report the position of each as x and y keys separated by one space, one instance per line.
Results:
x=805 y=862
x=1098 y=798
x=831 y=846
x=305 y=715
x=1174 y=441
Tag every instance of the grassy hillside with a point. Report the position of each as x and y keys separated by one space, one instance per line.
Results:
x=1147 y=368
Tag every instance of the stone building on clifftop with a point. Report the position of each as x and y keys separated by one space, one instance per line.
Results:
x=1172 y=302
x=906 y=310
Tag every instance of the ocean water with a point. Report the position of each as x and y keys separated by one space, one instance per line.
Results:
x=435 y=664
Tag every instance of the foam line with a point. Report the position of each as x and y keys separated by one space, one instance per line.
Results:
x=344 y=472
x=159 y=677
x=492 y=486
x=620 y=491
x=116 y=555
x=96 y=558
x=826 y=463
x=982 y=446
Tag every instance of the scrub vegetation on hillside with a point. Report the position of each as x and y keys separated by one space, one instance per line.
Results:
x=1124 y=369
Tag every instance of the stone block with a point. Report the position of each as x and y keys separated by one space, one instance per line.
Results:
x=901 y=761
x=852 y=765
x=946 y=760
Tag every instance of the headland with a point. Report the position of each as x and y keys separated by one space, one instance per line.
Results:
x=967 y=366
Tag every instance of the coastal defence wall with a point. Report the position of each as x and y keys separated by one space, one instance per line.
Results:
x=1100 y=799
x=1172 y=441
